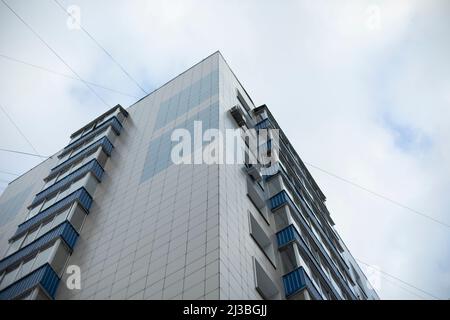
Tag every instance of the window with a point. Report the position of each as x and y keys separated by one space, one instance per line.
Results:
x=106 y=118
x=38 y=260
x=63 y=193
x=256 y=195
x=73 y=167
x=31 y=235
x=64 y=157
x=90 y=156
x=264 y=284
x=49 y=183
x=77 y=218
x=60 y=217
x=63 y=174
x=77 y=165
x=315 y=280
x=262 y=239
x=48 y=202
x=34 y=211
x=243 y=103
x=88 y=129
x=77 y=184
x=46 y=227
x=77 y=135
x=42 y=257
x=25 y=268
x=58 y=196
x=8 y=278
x=77 y=147
x=14 y=246
x=60 y=258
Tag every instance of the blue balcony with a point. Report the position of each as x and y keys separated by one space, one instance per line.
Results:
x=45 y=277
x=296 y=281
x=283 y=198
x=113 y=122
x=92 y=166
x=288 y=235
x=65 y=231
x=81 y=196
x=278 y=200
x=103 y=142
x=288 y=179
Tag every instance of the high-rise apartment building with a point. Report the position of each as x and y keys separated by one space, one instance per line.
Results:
x=111 y=216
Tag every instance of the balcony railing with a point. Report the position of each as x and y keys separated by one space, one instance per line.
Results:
x=64 y=231
x=103 y=142
x=283 y=198
x=81 y=196
x=45 y=277
x=92 y=166
x=113 y=122
x=288 y=179
x=278 y=200
x=296 y=281
x=289 y=235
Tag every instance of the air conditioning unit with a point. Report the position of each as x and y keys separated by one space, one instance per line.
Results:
x=238 y=115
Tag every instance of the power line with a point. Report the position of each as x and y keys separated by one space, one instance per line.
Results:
x=55 y=53
x=24 y=153
x=101 y=47
x=64 y=75
x=18 y=129
x=398 y=279
x=403 y=288
x=379 y=195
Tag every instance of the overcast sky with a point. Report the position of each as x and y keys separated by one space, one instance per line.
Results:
x=361 y=88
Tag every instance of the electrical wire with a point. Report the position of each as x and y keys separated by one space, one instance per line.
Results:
x=18 y=129
x=24 y=153
x=55 y=53
x=64 y=75
x=380 y=195
x=398 y=279
x=101 y=47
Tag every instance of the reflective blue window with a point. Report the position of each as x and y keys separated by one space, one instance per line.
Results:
x=187 y=99
x=159 y=149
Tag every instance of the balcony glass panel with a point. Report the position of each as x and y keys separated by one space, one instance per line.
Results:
x=79 y=196
x=45 y=277
x=42 y=257
x=9 y=278
x=60 y=217
x=64 y=174
x=114 y=123
x=25 y=268
x=14 y=246
x=45 y=227
x=34 y=211
x=93 y=166
x=30 y=237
